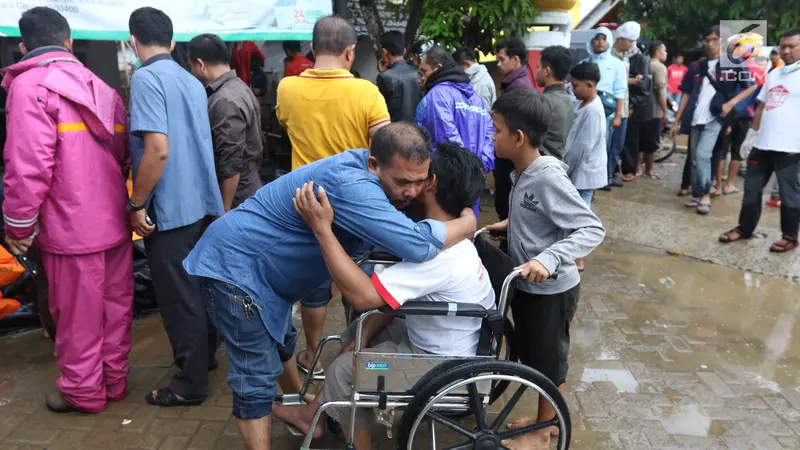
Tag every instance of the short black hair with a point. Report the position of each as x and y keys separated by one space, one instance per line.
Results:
x=459 y=175
x=558 y=59
x=654 y=46
x=406 y=139
x=586 y=71
x=775 y=51
x=791 y=32
x=394 y=42
x=210 y=48
x=714 y=29
x=332 y=36
x=151 y=26
x=437 y=55
x=42 y=26
x=416 y=47
x=292 y=46
x=464 y=54
x=525 y=110
x=514 y=47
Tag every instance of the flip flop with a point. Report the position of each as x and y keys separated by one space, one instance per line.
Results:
x=731 y=192
x=692 y=204
x=654 y=176
x=703 y=208
x=304 y=369
x=628 y=177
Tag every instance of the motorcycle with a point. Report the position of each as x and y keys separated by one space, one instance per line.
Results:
x=668 y=145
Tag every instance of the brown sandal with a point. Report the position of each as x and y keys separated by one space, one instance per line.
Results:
x=732 y=236
x=785 y=244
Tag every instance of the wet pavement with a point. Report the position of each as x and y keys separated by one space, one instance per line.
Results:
x=668 y=352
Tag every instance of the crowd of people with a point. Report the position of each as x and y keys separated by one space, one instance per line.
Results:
x=399 y=166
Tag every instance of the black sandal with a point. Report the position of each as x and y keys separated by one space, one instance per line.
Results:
x=167 y=397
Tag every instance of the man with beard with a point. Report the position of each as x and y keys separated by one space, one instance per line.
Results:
x=262 y=257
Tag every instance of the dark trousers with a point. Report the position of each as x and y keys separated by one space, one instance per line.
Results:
x=635 y=142
x=686 y=179
x=193 y=337
x=502 y=184
x=760 y=165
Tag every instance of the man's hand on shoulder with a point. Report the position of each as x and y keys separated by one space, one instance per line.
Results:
x=317 y=212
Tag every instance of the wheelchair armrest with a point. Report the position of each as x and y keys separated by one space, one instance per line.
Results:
x=417 y=308
x=381 y=255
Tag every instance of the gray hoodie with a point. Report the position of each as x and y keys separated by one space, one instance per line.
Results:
x=483 y=83
x=549 y=222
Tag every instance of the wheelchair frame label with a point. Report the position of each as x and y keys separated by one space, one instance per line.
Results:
x=376 y=365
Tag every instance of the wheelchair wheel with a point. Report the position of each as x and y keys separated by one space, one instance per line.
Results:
x=479 y=430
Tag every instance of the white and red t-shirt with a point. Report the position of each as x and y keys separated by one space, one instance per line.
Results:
x=781 y=98
x=456 y=275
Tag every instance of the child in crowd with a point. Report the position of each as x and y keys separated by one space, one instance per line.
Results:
x=585 y=150
x=549 y=227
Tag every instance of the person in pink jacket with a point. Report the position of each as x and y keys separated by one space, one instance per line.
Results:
x=67 y=157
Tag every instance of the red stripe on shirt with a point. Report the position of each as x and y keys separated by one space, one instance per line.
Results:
x=385 y=295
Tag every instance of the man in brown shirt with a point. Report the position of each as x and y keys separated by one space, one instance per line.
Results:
x=235 y=116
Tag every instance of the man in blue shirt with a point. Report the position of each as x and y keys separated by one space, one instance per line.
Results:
x=262 y=257
x=175 y=193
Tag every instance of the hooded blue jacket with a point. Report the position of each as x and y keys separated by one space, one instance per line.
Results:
x=613 y=78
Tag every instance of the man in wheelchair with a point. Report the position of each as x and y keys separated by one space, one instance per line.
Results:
x=457 y=275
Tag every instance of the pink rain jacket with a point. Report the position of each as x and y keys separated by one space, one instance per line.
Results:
x=67 y=156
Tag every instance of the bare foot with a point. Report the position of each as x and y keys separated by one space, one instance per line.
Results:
x=299 y=417
x=305 y=358
x=538 y=440
x=525 y=421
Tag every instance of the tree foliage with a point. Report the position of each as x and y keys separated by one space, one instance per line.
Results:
x=452 y=23
x=686 y=20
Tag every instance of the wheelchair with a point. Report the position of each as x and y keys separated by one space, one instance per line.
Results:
x=452 y=393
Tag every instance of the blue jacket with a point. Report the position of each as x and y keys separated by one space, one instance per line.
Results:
x=453 y=112
x=731 y=80
x=613 y=77
x=264 y=247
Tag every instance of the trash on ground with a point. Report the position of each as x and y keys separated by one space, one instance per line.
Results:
x=667 y=281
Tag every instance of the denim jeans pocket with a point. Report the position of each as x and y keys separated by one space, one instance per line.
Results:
x=249 y=328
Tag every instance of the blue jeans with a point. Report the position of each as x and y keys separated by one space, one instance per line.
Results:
x=615 y=140
x=586 y=195
x=675 y=97
x=703 y=139
x=255 y=357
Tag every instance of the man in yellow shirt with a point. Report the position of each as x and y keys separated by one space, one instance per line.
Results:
x=327 y=111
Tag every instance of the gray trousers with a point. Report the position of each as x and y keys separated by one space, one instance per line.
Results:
x=339 y=374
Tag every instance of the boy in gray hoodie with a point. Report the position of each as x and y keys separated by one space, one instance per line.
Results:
x=549 y=226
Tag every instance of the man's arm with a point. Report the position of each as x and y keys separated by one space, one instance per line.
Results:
x=728 y=106
x=659 y=88
x=229 y=129
x=757 y=117
x=29 y=157
x=377 y=114
x=149 y=121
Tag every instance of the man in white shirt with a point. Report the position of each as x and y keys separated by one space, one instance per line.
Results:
x=704 y=111
x=456 y=275
x=775 y=138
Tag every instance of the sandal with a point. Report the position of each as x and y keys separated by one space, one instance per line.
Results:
x=703 y=208
x=167 y=397
x=683 y=193
x=785 y=244
x=653 y=176
x=733 y=191
x=628 y=177
x=775 y=203
x=692 y=204
x=304 y=369
x=732 y=236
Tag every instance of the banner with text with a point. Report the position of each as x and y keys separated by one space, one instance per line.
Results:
x=233 y=20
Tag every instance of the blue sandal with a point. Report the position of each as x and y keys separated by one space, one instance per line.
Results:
x=703 y=208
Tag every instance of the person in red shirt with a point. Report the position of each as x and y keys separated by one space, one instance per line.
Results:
x=675 y=73
x=298 y=63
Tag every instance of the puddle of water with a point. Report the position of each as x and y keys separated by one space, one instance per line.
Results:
x=622 y=379
x=688 y=420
